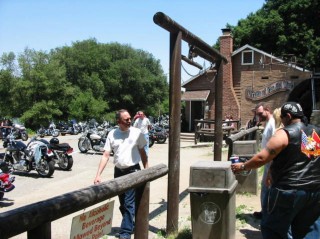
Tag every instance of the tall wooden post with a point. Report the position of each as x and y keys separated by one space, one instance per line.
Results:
x=174 y=136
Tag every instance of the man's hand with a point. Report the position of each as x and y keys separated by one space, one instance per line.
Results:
x=97 y=180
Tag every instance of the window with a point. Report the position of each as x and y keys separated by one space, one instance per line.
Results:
x=247 y=58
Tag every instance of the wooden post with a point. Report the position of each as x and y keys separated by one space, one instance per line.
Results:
x=174 y=136
x=142 y=211
x=43 y=231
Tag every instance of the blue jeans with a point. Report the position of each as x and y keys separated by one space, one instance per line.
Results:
x=146 y=148
x=264 y=188
x=127 y=204
x=294 y=212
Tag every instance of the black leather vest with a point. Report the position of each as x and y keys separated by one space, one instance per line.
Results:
x=292 y=169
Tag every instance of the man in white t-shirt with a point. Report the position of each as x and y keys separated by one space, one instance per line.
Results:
x=143 y=123
x=128 y=144
x=264 y=113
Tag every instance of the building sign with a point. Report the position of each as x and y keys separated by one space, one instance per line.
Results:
x=93 y=224
x=283 y=85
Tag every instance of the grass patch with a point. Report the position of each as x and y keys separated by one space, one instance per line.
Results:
x=185 y=233
x=242 y=217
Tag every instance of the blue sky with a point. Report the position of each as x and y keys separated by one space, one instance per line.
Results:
x=47 y=24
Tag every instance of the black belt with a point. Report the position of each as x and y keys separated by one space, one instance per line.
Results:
x=123 y=170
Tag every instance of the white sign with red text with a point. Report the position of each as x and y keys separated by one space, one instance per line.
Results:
x=93 y=224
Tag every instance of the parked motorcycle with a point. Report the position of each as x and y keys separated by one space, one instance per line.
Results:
x=24 y=158
x=159 y=134
x=62 y=153
x=6 y=181
x=67 y=128
x=92 y=139
x=42 y=131
x=152 y=139
x=51 y=131
x=20 y=132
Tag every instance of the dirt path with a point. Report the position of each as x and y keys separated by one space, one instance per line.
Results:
x=246 y=226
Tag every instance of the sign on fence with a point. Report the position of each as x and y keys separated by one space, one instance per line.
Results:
x=93 y=224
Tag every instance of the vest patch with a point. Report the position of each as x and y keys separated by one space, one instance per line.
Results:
x=310 y=145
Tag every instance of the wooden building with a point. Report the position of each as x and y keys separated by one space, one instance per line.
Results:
x=250 y=76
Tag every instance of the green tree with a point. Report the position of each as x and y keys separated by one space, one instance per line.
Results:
x=284 y=27
x=85 y=106
x=41 y=89
x=119 y=75
x=86 y=80
x=7 y=82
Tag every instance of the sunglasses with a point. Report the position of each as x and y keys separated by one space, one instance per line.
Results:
x=127 y=120
x=260 y=113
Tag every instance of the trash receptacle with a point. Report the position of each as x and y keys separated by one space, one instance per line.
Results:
x=212 y=198
x=247 y=183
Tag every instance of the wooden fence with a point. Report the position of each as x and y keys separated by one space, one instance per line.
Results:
x=36 y=218
x=241 y=135
x=206 y=128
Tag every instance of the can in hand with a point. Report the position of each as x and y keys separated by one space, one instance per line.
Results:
x=234 y=159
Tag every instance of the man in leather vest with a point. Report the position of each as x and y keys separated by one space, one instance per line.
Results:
x=291 y=209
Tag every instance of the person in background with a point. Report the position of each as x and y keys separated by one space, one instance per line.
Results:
x=264 y=113
x=143 y=123
x=127 y=143
x=291 y=208
x=277 y=118
x=233 y=124
x=252 y=123
x=6 y=126
x=226 y=119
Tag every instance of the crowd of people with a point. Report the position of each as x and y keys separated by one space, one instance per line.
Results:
x=291 y=181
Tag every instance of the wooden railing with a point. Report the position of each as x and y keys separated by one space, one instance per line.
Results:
x=241 y=135
x=36 y=218
x=206 y=128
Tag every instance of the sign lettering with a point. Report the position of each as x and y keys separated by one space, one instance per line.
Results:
x=283 y=85
x=93 y=224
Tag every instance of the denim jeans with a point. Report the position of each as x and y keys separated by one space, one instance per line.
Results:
x=264 y=188
x=146 y=148
x=291 y=214
x=127 y=204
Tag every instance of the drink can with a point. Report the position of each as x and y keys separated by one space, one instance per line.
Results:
x=234 y=159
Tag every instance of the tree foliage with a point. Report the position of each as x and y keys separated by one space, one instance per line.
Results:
x=83 y=81
x=284 y=28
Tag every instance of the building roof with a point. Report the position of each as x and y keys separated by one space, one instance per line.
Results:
x=195 y=95
x=265 y=54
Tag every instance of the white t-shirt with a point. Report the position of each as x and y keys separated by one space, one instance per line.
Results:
x=125 y=145
x=142 y=124
x=268 y=131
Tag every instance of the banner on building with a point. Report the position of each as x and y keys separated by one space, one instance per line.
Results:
x=93 y=224
x=283 y=85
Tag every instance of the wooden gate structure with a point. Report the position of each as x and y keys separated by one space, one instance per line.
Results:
x=202 y=49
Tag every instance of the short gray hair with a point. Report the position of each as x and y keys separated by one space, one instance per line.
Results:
x=119 y=112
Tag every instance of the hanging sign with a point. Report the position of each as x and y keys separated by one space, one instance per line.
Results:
x=93 y=224
x=283 y=85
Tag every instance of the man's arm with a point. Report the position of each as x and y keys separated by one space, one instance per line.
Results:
x=274 y=146
x=103 y=162
x=144 y=158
